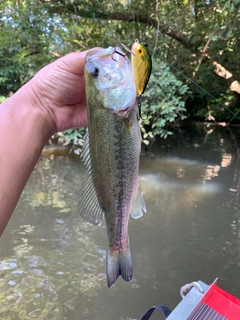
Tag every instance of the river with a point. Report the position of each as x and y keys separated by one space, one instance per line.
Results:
x=52 y=264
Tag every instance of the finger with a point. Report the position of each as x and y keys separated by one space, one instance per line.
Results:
x=74 y=62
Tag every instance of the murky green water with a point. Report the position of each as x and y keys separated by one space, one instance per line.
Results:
x=52 y=264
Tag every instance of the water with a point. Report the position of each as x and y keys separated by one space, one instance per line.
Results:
x=52 y=264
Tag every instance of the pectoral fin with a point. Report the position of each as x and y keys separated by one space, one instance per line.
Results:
x=89 y=207
x=138 y=206
x=86 y=153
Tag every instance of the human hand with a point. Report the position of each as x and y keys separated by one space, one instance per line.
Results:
x=60 y=92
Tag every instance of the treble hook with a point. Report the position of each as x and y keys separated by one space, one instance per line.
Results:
x=120 y=53
x=139 y=108
x=127 y=49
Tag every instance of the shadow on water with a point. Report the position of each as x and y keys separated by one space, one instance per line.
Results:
x=53 y=264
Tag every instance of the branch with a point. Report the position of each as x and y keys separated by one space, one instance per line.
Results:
x=169 y=31
x=132 y=17
x=219 y=69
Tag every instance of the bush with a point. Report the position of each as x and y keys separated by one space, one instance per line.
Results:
x=163 y=102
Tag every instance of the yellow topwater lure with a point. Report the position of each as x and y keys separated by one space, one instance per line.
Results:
x=141 y=65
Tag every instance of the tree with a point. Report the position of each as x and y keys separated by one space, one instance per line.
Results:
x=199 y=37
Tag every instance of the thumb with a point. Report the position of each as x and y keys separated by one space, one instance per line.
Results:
x=73 y=62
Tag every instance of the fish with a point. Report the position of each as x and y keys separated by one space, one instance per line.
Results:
x=111 y=154
x=141 y=66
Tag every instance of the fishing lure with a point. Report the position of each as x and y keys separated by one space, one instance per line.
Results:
x=141 y=65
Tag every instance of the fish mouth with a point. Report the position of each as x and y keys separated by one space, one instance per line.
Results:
x=124 y=111
x=112 y=78
x=120 y=112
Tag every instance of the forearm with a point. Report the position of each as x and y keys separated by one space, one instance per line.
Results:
x=54 y=100
x=22 y=138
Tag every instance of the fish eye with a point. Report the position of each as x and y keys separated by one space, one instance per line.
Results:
x=139 y=51
x=95 y=72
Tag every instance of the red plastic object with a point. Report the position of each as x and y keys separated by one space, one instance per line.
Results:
x=222 y=302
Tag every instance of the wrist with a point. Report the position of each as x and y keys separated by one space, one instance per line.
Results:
x=24 y=111
x=44 y=114
x=29 y=105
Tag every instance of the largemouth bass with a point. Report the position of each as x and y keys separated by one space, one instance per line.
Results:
x=111 y=154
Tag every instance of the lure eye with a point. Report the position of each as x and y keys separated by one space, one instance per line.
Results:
x=139 y=51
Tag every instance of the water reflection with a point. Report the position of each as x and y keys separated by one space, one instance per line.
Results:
x=52 y=264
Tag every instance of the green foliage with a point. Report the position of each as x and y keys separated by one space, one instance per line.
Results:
x=2 y=98
x=25 y=41
x=73 y=137
x=34 y=33
x=163 y=102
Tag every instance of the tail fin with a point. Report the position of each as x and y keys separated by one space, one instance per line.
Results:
x=119 y=263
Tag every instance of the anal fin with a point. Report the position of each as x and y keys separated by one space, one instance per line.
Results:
x=138 y=206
